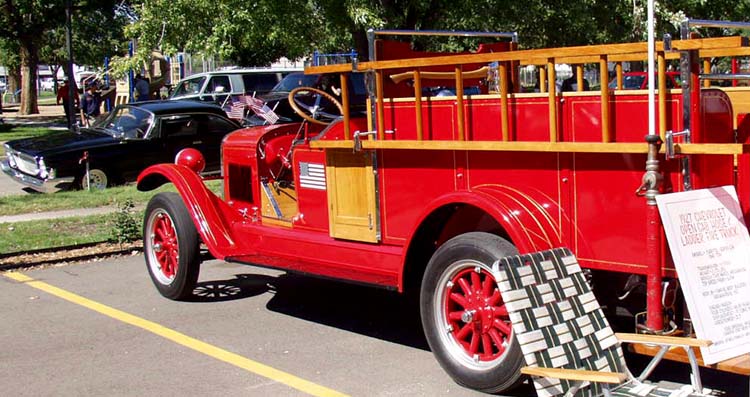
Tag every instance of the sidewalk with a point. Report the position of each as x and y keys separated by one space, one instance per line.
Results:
x=51 y=114
x=34 y=216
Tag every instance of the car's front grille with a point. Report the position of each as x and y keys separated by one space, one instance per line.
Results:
x=23 y=162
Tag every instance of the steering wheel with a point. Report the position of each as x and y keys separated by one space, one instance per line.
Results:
x=312 y=112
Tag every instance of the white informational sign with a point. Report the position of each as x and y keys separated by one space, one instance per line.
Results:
x=711 y=250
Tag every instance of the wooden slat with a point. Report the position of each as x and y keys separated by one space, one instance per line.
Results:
x=520 y=146
x=662 y=340
x=605 y=120
x=618 y=71
x=418 y=103
x=472 y=74
x=576 y=374
x=552 y=102
x=593 y=50
x=504 y=101
x=460 y=103
x=737 y=365
x=662 y=81
x=542 y=79
x=345 y=105
x=707 y=70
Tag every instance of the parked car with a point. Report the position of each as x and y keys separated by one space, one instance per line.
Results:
x=116 y=148
x=639 y=81
x=46 y=83
x=218 y=85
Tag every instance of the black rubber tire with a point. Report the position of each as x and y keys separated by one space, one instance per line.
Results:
x=503 y=373
x=181 y=284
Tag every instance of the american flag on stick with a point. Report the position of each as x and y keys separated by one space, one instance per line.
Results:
x=237 y=110
x=259 y=107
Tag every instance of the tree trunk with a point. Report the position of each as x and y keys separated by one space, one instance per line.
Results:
x=29 y=71
x=14 y=81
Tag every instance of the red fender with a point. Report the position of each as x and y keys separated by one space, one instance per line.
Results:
x=212 y=216
x=527 y=216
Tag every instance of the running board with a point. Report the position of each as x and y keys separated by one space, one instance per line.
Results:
x=314 y=269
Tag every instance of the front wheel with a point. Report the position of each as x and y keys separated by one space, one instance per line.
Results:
x=464 y=317
x=96 y=180
x=171 y=246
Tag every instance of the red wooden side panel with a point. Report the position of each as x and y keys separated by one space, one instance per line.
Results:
x=409 y=180
x=628 y=117
x=312 y=201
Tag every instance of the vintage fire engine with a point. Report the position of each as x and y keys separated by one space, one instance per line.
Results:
x=422 y=193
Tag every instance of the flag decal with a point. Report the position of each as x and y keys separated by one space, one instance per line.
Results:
x=312 y=176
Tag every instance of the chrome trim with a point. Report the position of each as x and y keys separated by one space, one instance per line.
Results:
x=41 y=185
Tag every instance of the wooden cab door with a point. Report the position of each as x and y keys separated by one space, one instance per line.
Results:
x=352 y=196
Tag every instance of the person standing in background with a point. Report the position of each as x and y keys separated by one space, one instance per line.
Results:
x=141 y=88
x=90 y=105
x=63 y=94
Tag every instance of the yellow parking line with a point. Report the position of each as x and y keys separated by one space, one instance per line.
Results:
x=182 y=339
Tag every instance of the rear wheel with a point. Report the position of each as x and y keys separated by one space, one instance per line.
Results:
x=171 y=246
x=464 y=316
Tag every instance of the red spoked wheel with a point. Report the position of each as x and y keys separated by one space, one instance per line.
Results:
x=476 y=318
x=171 y=246
x=464 y=316
x=166 y=249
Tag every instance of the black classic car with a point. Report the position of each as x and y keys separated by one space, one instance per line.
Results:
x=117 y=148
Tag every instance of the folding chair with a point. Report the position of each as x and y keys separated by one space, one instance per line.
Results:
x=567 y=342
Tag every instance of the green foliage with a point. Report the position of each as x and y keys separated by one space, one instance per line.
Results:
x=26 y=203
x=33 y=235
x=14 y=131
x=125 y=226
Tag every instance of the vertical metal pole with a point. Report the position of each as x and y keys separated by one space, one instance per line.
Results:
x=108 y=102
x=69 y=66
x=131 y=87
x=652 y=179
x=371 y=80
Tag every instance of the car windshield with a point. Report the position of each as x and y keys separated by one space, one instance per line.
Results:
x=189 y=87
x=127 y=122
x=294 y=80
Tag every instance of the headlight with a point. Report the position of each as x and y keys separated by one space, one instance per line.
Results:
x=42 y=169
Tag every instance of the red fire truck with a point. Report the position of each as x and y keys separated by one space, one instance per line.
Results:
x=422 y=192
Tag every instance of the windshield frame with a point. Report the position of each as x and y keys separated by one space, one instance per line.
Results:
x=302 y=80
x=116 y=125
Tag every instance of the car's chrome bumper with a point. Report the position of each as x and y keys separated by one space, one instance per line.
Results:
x=41 y=185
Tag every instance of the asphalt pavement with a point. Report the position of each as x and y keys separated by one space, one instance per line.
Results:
x=101 y=328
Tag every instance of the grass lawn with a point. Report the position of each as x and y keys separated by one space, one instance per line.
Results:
x=27 y=203
x=11 y=131
x=33 y=235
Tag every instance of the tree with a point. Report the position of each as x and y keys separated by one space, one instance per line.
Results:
x=27 y=22
x=252 y=33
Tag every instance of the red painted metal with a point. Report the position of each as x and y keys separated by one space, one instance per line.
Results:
x=212 y=216
x=191 y=158
x=165 y=237
x=477 y=317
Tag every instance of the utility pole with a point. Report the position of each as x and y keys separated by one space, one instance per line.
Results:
x=69 y=68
